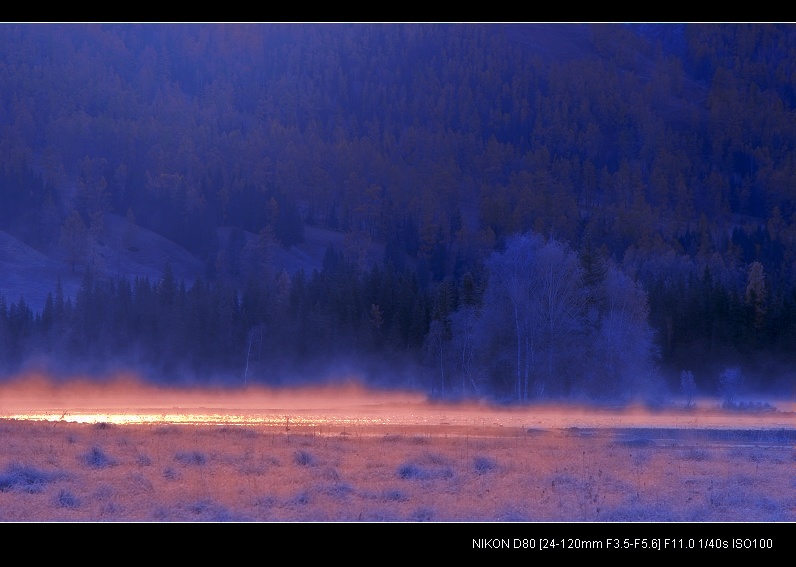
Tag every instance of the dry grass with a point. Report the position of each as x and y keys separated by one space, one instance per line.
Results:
x=98 y=472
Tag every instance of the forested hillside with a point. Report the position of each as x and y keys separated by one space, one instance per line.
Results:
x=564 y=210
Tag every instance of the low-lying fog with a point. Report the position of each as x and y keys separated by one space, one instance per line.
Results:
x=125 y=398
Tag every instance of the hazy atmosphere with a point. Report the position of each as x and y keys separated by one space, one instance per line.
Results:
x=489 y=217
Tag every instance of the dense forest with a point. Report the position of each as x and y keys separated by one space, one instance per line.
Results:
x=583 y=210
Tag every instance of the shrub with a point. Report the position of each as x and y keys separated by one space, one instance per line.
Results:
x=755 y=406
x=422 y=515
x=97 y=459
x=171 y=474
x=303 y=458
x=411 y=471
x=191 y=458
x=484 y=465
x=393 y=495
x=25 y=479
x=300 y=499
x=110 y=509
x=339 y=490
x=66 y=499
x=207 y=510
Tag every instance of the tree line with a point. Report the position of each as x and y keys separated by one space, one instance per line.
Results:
x=539 y=320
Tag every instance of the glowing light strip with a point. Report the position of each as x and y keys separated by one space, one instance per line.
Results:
x=354 y=419
x=195 y=418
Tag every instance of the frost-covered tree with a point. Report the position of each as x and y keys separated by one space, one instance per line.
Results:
x=623 y=342
x=561 y=302
x=536 y=285
x=513 y=288
x=730 y=382
x=538 y=325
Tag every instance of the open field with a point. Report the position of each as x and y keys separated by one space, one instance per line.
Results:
x=437 y=463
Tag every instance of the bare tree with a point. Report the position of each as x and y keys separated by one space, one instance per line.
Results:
x=513 y=285
x=464 y=327
x=255 y=336
x=540 y=283
x=435 y=349
x=688 y=387
x=561 y=300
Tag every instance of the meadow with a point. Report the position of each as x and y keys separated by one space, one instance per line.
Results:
x=60 y=471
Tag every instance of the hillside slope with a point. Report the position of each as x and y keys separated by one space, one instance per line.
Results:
x=125 y=251
x=28 y=274
x=120 y=252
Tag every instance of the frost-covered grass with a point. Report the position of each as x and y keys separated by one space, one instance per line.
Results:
x=18 y=477
x=80 y=472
